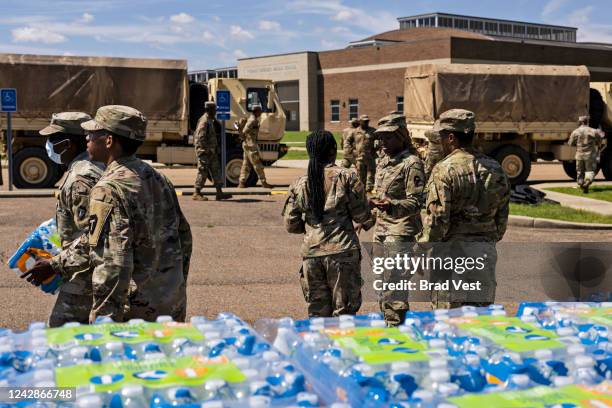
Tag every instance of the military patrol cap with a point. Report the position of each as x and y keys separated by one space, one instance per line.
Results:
x=66 y=122
x=354 y=121
x=395 y=118
x=387 y=128
x=455 y=120
x=584 y=118
x=210 y=104
x=364 y=118
x=119 y=119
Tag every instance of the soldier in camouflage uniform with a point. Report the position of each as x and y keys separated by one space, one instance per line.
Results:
x=397 y=202
x=67 y=143
x=139 y=243
x=588 y=143
x=348 y=144
x=323 y=206
x=251 y=158
x=365 y=152
x=467 y=207
x=434 y=151
x=208 y=152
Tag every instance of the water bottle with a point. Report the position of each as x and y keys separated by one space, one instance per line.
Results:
x=216 y=390
x=516 y=382
x=90 y=401
x=543 y=368
x=131 y=396
x=468 y=373
x=583 y=371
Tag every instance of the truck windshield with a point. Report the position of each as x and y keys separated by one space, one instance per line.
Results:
x=260 y=96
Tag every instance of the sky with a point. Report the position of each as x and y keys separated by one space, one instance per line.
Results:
x=214 y=34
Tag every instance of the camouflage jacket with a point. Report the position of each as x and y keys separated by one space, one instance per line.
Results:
x=206 y=140
x=346 y=202
x=138 y=245
x=250 y=132
x=348 y=142
x=365 y=142
x=467 y=199
x=401 y=181
x=72 y=211
x=587 y=142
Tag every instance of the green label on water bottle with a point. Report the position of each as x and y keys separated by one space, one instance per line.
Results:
x=154 y=373
x=379 y=345
x=564 y=397
x=509 y=332
x=97 y=334
x=601 y=315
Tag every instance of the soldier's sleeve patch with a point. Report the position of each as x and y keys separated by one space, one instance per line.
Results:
x=99 y=211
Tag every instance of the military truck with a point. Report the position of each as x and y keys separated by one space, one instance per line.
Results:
x=523 y=112
x=158 y=87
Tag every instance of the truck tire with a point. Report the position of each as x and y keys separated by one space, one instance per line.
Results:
x=606 y=164
x=232 y=170
x=32 y=168
x=516 y=163
x=570 y=169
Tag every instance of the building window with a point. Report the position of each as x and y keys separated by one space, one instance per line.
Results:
x=353 y=109
x=476 y=25
x=505 y=29
x=445 y=22
x=491 y=27
x=335 y=110
x=461 y=23
x=399 y=104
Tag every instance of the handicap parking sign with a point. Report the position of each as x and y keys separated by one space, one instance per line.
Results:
x=8 y=100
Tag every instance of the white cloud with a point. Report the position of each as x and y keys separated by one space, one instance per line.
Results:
x=344 y=15
x=182 y=18
x=86 y=18
x=580 y=16
x=207 y=36
x=216 y=18
x=240 y=33
x=35 y=34
x=268 y=25
x=239 y=54
x=553 y=6
x=326 y=44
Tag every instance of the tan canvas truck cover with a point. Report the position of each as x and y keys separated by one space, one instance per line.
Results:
x=48 y=84
x=509 y=94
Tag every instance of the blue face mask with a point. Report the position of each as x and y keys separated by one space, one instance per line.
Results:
x=55 y=157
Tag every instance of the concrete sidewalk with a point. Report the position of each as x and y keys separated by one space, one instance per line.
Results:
x=576 y=202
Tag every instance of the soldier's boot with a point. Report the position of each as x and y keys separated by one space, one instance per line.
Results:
x=197 y=196
x=585 y=188
x=265 y=184
x=221 y=195
x=242 y=184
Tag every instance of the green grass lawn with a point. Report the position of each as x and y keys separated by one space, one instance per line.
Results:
x=558 y=212
x=596 y=192
x=296 y=140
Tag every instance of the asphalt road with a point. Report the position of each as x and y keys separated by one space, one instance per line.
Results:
x=243 y=260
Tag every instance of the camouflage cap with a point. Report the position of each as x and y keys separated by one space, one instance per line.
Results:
x=395 y=118
x=210 y=104
x=354 y=121
x=119 y=119
x=387 y=128
x=455 y=120
x=364 y=118
x=66 y=122
x=584 y=118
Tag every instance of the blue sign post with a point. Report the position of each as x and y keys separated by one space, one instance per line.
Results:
x=8 y=104
x=223 y=100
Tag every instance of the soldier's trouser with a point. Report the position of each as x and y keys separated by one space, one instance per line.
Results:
x=209 y=166
x=393 y=303
x=251 y=160
x=70 y=307
x=366 y=168
x=585 y=172
x=442 y=299
x=332 y=284
x=347 y=163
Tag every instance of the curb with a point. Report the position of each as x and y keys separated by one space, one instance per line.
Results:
x=530 y=222
x=179 y=192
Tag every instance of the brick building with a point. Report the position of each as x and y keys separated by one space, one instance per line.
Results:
x=326 y=89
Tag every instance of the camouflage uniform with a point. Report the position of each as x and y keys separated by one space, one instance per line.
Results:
x=139 y=243
x=587 y=142
x=73 y=301
x=251 y=158
x=467 y=201
x=365 y=155
x=434 y=151
x=400 y=180
x=208 y=152
x=348 y=146
x=330 y=275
